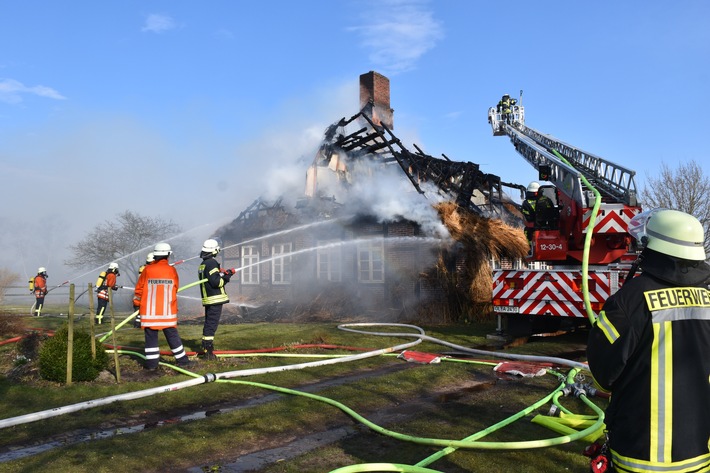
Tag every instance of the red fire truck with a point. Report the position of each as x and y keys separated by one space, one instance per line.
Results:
x=544 y=292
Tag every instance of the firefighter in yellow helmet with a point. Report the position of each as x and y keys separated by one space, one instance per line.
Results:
x=39 y=288
x=106 y=280
x=650 y=347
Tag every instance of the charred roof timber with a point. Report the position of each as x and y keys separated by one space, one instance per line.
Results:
x=376 y=142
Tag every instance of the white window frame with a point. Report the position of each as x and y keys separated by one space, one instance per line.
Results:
x=329 y=261
x=371 y=261
x=281 y=267
x=250 y=256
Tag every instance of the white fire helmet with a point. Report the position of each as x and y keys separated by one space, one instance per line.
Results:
x=162 y=249
x=670 y=232
x=211 y=246
x=149 y=258
x=113 y=266
x=533 y=186
x=41 y=270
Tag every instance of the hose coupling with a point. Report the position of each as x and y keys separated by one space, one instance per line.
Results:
x=210 y=377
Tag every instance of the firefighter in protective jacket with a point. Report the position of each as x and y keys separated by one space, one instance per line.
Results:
x=156 y=294
x=106 y=280
x=213 y=293
x=136 y=302
x=39 y=288
x=650 y=347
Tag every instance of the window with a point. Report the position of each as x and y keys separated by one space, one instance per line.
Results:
x=250 y=263
x=370 y=261
x=281 y=267
x=329 y=261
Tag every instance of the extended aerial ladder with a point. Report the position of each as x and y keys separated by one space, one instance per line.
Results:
x=547 y=289
x=567 y=168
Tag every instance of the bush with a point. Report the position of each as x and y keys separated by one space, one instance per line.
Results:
x=53 y=357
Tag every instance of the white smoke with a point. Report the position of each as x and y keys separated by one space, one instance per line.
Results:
x=385 y=192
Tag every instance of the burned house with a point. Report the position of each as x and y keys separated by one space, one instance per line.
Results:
x=373 y=228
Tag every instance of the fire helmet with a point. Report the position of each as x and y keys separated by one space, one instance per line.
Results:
x=211 y=246
x=113 y=266
x=533 y=186
x=162 y=249
x=670 y=232
x=149 y=258
x=41 y=270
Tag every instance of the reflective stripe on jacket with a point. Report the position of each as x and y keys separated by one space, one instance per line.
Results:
x=650 y=348
x=212 y=290
x=109 y=281
x=156 y=290
x=40 y=285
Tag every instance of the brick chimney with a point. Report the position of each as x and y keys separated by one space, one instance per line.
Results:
x=375 y=98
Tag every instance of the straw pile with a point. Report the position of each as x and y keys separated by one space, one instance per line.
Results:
x=478 y=239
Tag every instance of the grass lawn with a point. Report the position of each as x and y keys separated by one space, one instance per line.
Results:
x=406 y=402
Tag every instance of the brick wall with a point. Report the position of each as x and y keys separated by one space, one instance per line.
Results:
x=375 y=98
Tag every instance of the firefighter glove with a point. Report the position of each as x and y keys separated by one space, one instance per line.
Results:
x=137 y=322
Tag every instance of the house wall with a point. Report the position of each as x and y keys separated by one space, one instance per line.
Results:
x=398 y=288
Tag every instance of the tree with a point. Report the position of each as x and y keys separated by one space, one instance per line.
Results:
x=7 y=278
x=686 y=189
x=128 y=238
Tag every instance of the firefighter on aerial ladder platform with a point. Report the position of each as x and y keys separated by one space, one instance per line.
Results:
x=504 y=108
x=649 y=347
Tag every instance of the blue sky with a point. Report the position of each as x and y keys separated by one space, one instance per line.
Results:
x=190 y=110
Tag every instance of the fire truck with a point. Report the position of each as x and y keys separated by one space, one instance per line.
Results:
x=544 y=292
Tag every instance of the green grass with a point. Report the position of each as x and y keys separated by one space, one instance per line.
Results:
x=449 y=412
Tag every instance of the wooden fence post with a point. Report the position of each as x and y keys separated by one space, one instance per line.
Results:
x=91 y=321
x=113 y=336
x=70 y=335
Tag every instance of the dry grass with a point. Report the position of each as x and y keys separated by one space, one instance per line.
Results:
x=463 y=272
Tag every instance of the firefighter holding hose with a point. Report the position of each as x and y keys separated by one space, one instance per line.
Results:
x=156 y=294
x=136 y=302
x=650 y=346
x=106 y=280
x=39 y=288
x=213 y=293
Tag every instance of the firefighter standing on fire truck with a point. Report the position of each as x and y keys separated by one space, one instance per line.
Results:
x=650 y=348
x=39 y=288
x=213 y=293
x=156 y=294
x=106 y=280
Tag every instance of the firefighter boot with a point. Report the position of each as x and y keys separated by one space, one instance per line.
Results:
x=208 y=350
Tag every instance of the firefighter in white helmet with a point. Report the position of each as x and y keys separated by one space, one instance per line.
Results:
x=38 y=285
x=136 y=303
x=213 y=294
x=106 y=280
x=650 y=347
x=156 y=293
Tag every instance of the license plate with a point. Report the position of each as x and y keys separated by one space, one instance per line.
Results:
x=507 y=309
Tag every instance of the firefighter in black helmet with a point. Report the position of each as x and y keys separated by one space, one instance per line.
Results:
x=213 y=294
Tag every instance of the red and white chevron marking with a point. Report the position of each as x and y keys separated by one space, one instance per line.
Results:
x=547 y=292
x=611 y=218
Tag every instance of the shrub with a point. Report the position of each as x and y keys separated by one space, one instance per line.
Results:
x=53 y=357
